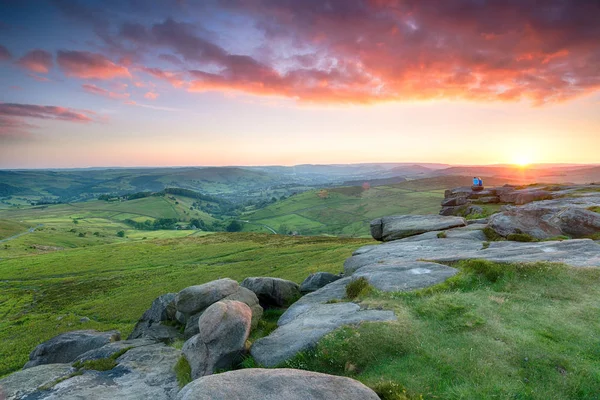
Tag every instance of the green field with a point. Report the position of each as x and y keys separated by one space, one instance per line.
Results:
x=91 y=223
x=114 y=284
x=346 y=211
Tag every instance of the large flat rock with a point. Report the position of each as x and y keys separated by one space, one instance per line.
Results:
x=23 y=383
x=275 y=384
x=310 y=324
x=142 y=373
x=400 y=226
x=576 y=253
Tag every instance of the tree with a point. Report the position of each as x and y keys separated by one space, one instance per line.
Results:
x=234 y=226
x=121 y=234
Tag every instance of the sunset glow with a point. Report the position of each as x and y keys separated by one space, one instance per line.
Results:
x=260 y=82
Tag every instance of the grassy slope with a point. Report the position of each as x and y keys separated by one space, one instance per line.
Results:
x=494 y=331
x=114 y=284
x=9 y=228
x=347 y=210
x=98 y=221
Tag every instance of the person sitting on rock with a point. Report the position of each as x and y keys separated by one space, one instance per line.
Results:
x=480 y=182
x=475 y=181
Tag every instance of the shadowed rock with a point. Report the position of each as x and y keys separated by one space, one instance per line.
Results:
x=149 y=326
x=66 y=347
x=317 y=281
x=275 y=384
x=272 y=292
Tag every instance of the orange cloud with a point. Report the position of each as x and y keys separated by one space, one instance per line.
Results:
x=83 y=64
x=151 y=95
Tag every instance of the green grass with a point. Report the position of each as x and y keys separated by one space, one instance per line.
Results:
x=358 y=287
x=506 y=331
x=113 y=284
x=346 y=211
x=183 y=372
x=9 y=228
x=595 y=209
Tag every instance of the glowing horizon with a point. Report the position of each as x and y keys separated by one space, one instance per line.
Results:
x=95 y=84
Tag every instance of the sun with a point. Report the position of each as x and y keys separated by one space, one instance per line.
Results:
x=522 y=160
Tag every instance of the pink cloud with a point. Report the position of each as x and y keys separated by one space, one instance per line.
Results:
x=93 y=89
x=365 y=51
x=83 y=64
x=39 y=78
x=39 y=61
x=14 y=118
x=151 y=95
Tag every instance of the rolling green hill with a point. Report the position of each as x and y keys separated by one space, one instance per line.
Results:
x=95 y=222
x=346 y=211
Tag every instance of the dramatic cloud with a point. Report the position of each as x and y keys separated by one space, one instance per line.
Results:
x=14 y=118
x=93 y=89
x=4 y=54
x=83 y=64
x=379 y=50
x=39 y=61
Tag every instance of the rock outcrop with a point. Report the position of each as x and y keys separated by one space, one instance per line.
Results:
x=275 y=384
x=66 y=347
x=194 y=299
x=400 y=226
x=317 y=281
x=142 y=373
x=273 y=292
x=191 y=302
x=23 y=383
x=566 y=216
x=152 y=326
x=223 y=330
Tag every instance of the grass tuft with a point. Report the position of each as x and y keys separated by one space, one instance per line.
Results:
x=358 y=287
x=521 y=237
x=183 y=371
x=442 y=235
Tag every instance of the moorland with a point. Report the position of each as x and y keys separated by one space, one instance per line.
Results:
x=97 y=246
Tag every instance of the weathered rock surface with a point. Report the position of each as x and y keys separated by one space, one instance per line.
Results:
x=162 y=309
x=194 y=299
x=272 y=292
x=22 y=383
x=249 y=298
x=110 y=349
x=576 y=253
x=224 y=329
x=142 y=373
x=550 y=218
x=244 y=295
x=400 y=226
x=317 y=281
x=275 y=384
x=66 y=347
x=310 y=323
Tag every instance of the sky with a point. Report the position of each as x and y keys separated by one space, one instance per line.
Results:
x=285 y=82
